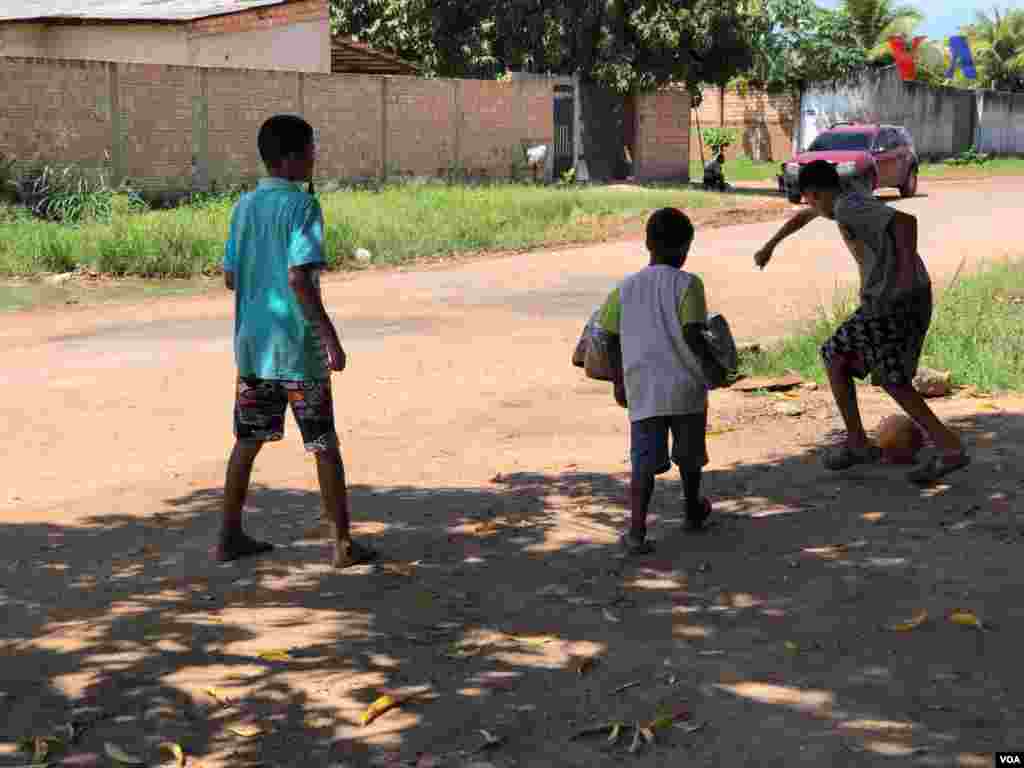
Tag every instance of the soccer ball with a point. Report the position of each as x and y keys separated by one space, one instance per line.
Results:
x=900 y=439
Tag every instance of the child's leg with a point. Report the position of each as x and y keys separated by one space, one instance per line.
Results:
x=258 y=418
x=649 y=457
x=313 y=408
x=850 y=353
x=914 y=405
x=233 y=543
x=844 y=392
x=641 y=489
x=690 y=453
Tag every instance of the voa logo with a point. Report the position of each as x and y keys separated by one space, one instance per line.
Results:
x=1009 y=760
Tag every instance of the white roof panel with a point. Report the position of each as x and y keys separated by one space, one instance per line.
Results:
x=125 y=10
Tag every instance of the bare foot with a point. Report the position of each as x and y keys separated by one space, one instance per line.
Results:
x=349 y=553
x=237 y=546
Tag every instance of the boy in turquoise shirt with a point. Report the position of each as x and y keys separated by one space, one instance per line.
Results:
x=285 y=344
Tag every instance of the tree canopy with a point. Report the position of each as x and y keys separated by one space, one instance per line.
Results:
x=624 y=44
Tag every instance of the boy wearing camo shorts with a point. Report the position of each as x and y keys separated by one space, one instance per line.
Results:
x=886 y=334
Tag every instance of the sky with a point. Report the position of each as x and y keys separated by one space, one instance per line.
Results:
x=945 y=17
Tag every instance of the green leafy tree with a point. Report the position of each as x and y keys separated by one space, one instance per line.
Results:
x=624 y=44
x=875 y=21
x=798 y=43
x=997 y=43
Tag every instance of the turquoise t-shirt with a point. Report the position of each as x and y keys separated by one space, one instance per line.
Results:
x=274 y=228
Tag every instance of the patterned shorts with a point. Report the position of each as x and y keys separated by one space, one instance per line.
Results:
x=887 y=346
x=260 y=405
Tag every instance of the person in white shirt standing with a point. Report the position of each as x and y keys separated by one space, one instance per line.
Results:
x=659 y=353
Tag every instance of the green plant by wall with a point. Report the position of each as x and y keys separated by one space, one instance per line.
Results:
x=717 y=139
x=72 y=195
x=971 y=157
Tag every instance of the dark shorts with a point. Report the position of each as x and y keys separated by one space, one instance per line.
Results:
x=649 y=443
x=260 y=405
x=886 y=346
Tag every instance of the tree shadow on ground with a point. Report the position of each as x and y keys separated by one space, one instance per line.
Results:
x=768 y=626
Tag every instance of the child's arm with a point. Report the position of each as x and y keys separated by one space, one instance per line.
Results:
x=301 y=281
x=794 y=225
x=903 y=228
x=618 y=375
x=693 y=316
x=693 y=335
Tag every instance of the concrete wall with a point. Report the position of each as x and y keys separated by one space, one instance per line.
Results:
x=765 y=124
x=662 y=136
x=293 y=37
x=168 y=128
x=1000 y=123
x=939 y=119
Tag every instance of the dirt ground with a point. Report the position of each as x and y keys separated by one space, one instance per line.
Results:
x=492 y=475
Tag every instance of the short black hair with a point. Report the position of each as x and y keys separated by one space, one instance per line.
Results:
x=281 y=136
x=820 y=175
x=669 y=228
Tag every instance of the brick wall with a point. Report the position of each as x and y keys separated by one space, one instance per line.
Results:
x=262 y=18
x=170 y=128
x=764 y=123
x=662 y=147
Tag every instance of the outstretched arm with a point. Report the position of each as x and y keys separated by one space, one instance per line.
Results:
x=794 y=225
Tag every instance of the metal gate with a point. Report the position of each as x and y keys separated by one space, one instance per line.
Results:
x=565 y=109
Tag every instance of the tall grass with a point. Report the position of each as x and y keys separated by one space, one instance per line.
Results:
x=977 y=333
x=395 y=224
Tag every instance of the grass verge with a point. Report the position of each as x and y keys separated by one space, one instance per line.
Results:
x=975 y=333
x=396 y=224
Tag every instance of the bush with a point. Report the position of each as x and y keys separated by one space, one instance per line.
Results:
x=718 y=139
x=71 y=195
x=970 y=157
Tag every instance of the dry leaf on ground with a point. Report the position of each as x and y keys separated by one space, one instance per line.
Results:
x=919 y=618
x=118 y=755
x=966 y=619
x=246 y=730
x=276 y=654
x=176 y=751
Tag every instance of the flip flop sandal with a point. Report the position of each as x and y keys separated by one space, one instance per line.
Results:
x=696 y=522
x=633 y=547
x=358 y=554
x=845 y=457
x=937 y=467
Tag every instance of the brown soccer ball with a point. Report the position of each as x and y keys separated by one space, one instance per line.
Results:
x=900 y=439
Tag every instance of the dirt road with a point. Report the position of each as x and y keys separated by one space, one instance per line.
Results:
x=494 y=473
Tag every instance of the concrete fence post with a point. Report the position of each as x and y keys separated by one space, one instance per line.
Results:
x=201 y=134
x=117 y=137
x=383 y=128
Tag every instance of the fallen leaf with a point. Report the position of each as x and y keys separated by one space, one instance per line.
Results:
x=648 y=735
x=485 y=528
x=966 y=619
x=538 y=639
x=613 y=737
x=690 y=728
x=378 y=708
x=583 y=664
x=118 y=755
x=398 y=569
x=176 y=751
x=276 y=654
x=490 y=740
x=246 y=731
x=919 y=618
x=872 y=517
x=219 y=696
x=792 y=647
x=593 y=730
x=635 y=746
